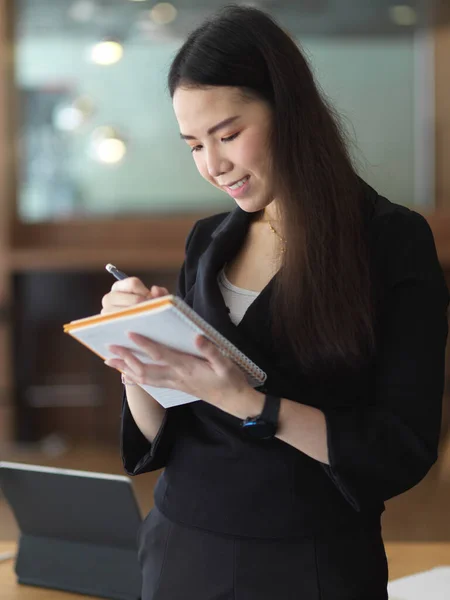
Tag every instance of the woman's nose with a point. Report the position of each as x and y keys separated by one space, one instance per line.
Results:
x=216 y=164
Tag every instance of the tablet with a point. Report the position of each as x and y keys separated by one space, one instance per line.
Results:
x=78 y=529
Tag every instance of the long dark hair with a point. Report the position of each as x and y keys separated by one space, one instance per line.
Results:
x=322 y=297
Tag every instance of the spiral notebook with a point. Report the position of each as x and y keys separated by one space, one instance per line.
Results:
x=167 y=320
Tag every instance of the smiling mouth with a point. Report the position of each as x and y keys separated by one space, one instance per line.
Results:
x=239 y=183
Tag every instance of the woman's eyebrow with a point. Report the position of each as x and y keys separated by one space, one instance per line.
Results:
x=213 y=129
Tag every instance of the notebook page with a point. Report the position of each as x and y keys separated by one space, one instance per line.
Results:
x=168 y=397
x=162 y=325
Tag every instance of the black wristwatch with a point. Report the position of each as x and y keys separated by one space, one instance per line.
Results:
x=265 y=425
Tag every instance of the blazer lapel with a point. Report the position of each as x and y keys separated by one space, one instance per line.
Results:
x=226 y=240
x=207 y=299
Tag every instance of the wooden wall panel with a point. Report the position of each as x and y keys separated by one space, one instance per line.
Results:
x=6 y=216
x=439 y=220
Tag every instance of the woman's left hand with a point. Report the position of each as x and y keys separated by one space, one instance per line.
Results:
x=213 y=378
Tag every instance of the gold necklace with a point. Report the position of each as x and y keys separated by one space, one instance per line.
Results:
x=283 y=248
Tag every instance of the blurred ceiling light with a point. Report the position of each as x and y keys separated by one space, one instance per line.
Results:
x=68 y=118
x=71 y=117
x=403 y=15
x=163 y=13
x=82 y=10
x=107 y=52
x=107 y=146
x=111 y=151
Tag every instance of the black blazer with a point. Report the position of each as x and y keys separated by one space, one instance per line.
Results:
x=383 y=419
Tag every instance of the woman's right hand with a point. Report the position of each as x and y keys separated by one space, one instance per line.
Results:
x=129 y=292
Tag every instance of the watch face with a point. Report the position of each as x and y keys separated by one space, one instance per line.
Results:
x=259 y=429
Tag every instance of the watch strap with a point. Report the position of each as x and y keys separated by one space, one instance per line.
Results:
x=271 y=409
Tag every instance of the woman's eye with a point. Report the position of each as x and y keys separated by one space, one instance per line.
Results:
x=225 y=139
x=231 y=137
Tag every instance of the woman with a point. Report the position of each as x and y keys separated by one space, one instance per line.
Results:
x=331 y=289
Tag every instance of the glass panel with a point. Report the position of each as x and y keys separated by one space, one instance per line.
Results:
x=371 y=84
x=102 y=140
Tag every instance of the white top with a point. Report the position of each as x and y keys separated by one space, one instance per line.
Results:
x=237 y=299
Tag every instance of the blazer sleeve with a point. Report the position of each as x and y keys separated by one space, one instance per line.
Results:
x=138 y=454
x=380 y=451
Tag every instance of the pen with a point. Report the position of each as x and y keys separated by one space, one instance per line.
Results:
x=119 y=275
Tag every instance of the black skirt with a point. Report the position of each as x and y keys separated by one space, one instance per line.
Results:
x=183 y=563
